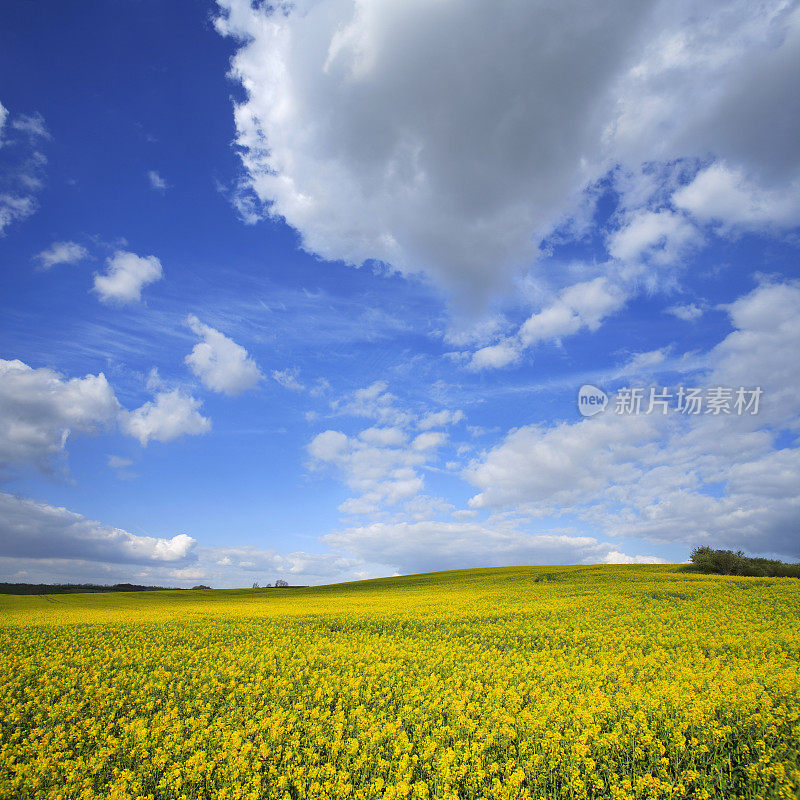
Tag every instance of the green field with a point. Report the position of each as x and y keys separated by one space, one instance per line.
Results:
x=529 y=682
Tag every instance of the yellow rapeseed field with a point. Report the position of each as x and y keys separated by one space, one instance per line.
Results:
x=559 y=682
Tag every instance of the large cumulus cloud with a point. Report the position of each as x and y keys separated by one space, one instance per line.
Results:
x=449 y=138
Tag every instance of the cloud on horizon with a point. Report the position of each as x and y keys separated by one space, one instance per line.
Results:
x=657 y=477
x=36 y=530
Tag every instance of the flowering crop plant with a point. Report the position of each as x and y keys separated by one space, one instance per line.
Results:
x=531 y=682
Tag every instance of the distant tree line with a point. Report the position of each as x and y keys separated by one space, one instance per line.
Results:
x=726 y=562
x=279 y=584
x=73 y=588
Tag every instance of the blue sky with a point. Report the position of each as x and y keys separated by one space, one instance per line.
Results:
x=310 y=292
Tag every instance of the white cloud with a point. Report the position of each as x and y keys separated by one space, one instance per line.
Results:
x=676 y=478
x=153 y=381
x=170 y=415
x=320 y=387
x=125 y=276
x=660 y=237
x=376 y=464
x=61 y=253
x=713 y=78
x=439 y=419
x=384 y=437
x=763 y=351
x=402 y=183
x=724 y=194
x=641 y=365
x=375 y=141
x=121 y=467
x=220 y=363
x=543 y=469
x=618 y=557
x=383 y=463
x=22 y=167
x=51 y=544
x=119 y=462
x=240 y=566
x=289 y=379
x=379 y=464
x=495 y=356
x=373 y=402
x=582 y=306
x=464 y=330
x=35 y=530
x=688 y=312
x=218 y=567
x=156 y=181
x=328 y=446
x=40 y=409
x=15 y=208
x=429 y=440
x=410 y=547
x=31 y=124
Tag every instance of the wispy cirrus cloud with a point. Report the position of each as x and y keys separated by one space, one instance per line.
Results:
x=21 y=178
x=61 y=253
x=156 y=181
